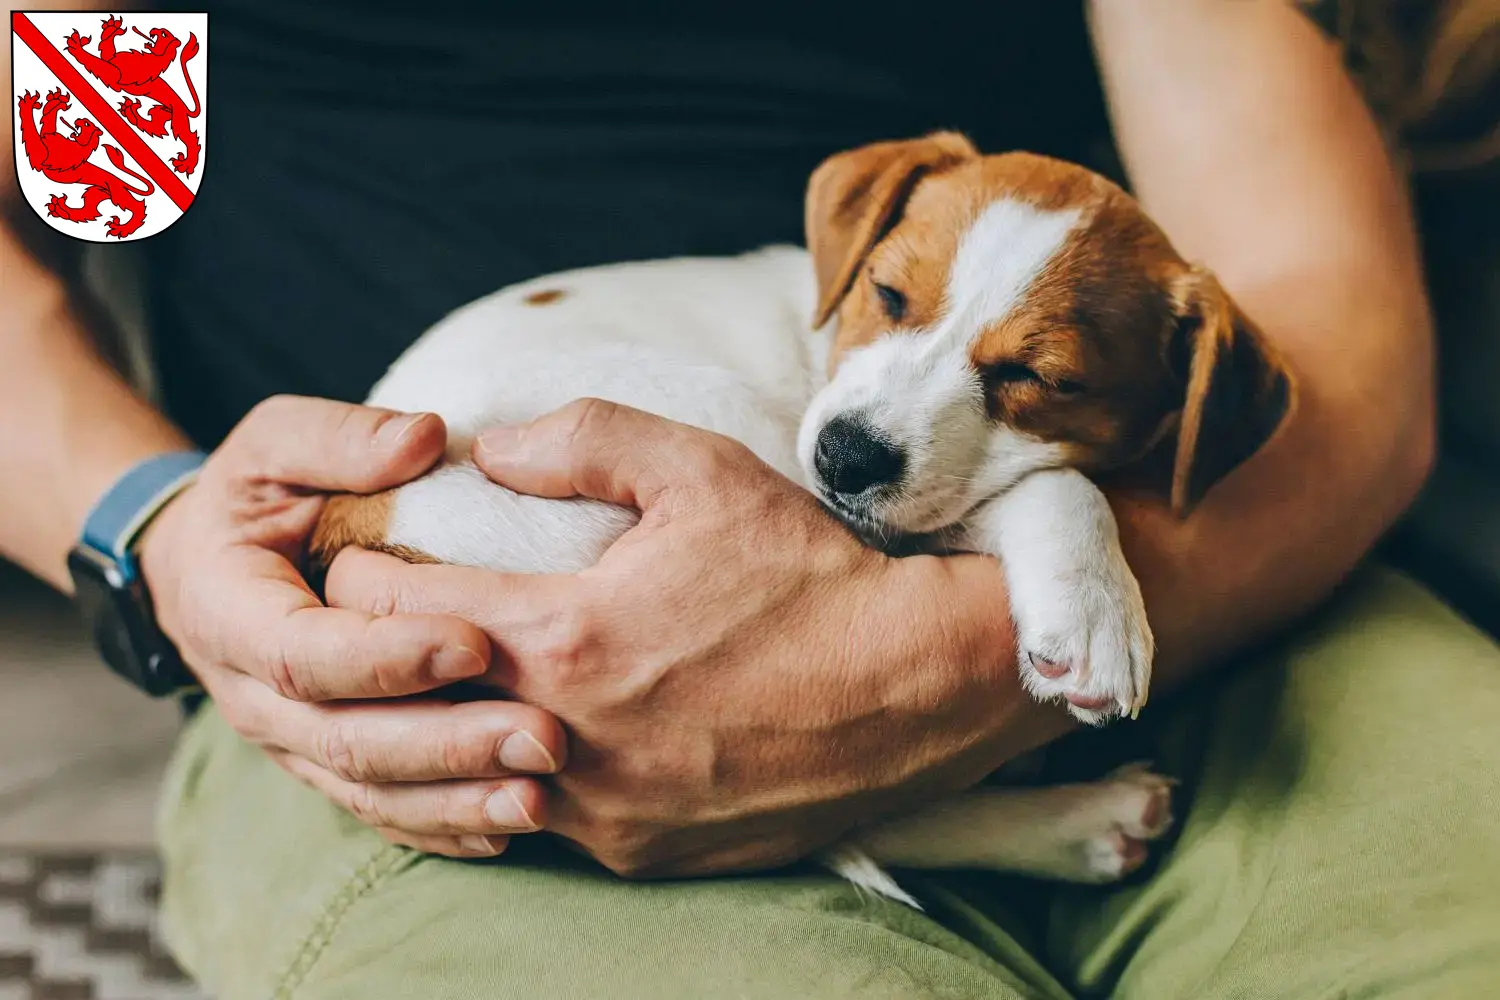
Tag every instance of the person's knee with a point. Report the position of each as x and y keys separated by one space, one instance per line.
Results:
x=1338 y=831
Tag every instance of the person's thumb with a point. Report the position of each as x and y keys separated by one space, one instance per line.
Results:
x=321 y=444
x=605 y=451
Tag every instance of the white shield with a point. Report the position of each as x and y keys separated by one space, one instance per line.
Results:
x=110 y=119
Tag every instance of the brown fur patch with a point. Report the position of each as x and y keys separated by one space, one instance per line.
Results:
x=1094 y=325
x=545 y=297
x=353 y=519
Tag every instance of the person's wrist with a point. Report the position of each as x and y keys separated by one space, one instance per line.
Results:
x=112 y=455
x=112 y=592
x=123 y=511
x=153 y=552
x=976 y=637
x=969 y=592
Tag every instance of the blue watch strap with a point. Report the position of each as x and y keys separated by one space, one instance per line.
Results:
x=129 y=505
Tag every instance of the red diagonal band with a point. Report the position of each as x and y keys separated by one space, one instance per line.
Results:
x=106 y=116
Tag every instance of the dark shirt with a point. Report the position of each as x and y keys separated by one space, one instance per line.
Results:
x=371 y=167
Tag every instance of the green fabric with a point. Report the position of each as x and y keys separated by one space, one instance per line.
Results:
x=1340 y=837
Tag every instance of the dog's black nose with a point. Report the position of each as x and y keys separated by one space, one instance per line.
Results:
x=850 y=459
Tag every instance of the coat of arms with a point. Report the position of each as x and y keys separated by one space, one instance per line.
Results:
x=109 y=127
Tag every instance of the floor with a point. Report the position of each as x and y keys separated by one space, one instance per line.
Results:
x=80 y=752
x=80 y=757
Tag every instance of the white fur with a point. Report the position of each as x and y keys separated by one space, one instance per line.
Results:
x=1072 y=595
x=722 y=344
x=1004 y=251
x=718 y=343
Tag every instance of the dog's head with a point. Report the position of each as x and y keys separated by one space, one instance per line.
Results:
x=1002 y=314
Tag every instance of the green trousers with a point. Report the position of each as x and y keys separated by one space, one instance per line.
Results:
x=1339 y=837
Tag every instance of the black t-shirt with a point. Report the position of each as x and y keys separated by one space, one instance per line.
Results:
x=374 y=166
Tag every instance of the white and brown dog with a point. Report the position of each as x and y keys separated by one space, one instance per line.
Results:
x=987 y=331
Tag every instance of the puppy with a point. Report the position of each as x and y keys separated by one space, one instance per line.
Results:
x=987 y=333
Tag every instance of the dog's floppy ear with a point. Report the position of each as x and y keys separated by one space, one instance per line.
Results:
x=1238 y=391
x=853 y=199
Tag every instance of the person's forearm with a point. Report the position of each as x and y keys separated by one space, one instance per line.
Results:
x=69 y=425
x=1246 y=141
x=1275 y=540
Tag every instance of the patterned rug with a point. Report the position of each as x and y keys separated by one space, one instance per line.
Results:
x=83 y=927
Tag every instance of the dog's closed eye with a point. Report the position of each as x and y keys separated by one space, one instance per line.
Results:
x=1016 y=373
x=892 y=301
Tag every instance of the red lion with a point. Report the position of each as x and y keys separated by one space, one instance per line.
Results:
x=65 y=159
x=139 y=72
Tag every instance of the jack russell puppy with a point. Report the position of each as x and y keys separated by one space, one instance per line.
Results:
x=987 y=332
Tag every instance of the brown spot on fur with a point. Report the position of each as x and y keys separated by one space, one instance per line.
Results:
x=353 y=519
x=545 y=297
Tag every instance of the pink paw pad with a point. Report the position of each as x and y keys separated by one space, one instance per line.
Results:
x=1092 y=703
x=1048 y=669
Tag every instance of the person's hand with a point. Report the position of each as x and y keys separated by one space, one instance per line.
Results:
x=743 y=680
x=313 y=685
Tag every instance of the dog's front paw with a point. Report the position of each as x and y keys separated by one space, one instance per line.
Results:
x=1082 y=636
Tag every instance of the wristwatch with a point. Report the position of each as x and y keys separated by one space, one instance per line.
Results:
x=110 y=591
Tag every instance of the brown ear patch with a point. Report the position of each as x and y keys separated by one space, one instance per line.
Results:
x=1238 y=389
x=353 y=519
x=544 y=297
x=855 y=197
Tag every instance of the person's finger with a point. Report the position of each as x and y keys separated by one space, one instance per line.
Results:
x=510 y=604
x=416 y=741
x=305 y=651
x=471 y=846
x=322 y=444
x=445 y=808
x=603 y=450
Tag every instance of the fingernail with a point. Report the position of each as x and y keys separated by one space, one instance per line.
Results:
x=501 y=441
x=454 y=663
x=504 y=809
x=395 y=431
x=520 y=751
x=478 y=845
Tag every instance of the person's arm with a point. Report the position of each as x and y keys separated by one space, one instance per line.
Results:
x=69 y=424
x=220 y=563
x=746 y=683
x=1245 y=139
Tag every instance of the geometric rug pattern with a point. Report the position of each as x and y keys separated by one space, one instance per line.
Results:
x=83 y=927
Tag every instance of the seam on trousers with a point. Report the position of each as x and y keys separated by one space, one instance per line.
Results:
x=369 y=876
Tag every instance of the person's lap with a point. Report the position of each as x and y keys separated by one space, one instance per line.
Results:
x=1337 y=838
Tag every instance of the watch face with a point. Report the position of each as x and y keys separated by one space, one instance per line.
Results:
x=95 y=597
x=118 y=617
